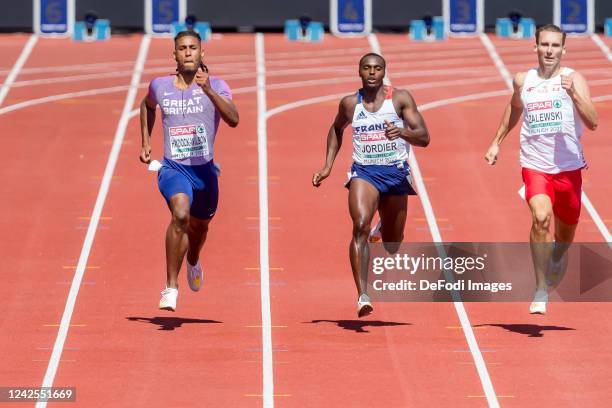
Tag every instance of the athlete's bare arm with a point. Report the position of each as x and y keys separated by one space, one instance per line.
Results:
x=226 y=108
x=416 y=133
x=576 y=87
x=334 y=137
x=511 y=116
x=147 y=120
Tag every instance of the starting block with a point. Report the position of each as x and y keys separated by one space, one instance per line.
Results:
x=526 y=28
x=608 y=27
x=101 y=31
x=202 y=28
x=418 y=30
x=314 y=31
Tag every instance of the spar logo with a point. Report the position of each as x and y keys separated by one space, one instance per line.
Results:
x=372 y=137
x=182 y=130
x=534 y=106
x=557 y=103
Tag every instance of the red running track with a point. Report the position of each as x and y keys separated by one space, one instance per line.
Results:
x=122 y=351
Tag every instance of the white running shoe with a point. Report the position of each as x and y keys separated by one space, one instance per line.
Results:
x=168 y=299
x=538 y=306
x=364 y=307
x=375 y=234
x=195 y=275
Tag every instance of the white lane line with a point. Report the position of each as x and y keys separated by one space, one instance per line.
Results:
x=602 y=45
x=264 y=253
x=59 y=97
x=497 y=60
x=247 y=89
x=95 y=219
x=602 y=98
x=601 y=226
x=481 y=367
x=25 y=53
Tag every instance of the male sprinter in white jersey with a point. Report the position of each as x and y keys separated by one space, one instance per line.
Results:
x=556 y=104
x=192 y=104
x=380 y=174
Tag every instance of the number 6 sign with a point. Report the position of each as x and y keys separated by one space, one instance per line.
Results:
x=54 y=18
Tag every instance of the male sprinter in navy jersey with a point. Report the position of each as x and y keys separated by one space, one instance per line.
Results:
x=380 y=176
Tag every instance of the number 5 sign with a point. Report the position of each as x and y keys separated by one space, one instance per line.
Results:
x=160 y=14
x=54 y=18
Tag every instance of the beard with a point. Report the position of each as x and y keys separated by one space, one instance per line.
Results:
x=191 y=69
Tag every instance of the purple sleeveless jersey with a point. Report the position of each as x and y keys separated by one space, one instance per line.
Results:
x=189 y=119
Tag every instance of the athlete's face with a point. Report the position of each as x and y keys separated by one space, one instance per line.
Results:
x=550 y=48
x=188 y=54
x=372 y=72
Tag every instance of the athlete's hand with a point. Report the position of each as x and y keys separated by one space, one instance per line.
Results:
x=202 y=79
x=319 y=176
x=145 y=154
x=392 y=132
x=567 y=83
x=491 y=156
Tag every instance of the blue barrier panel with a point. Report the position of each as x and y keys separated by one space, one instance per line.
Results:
x=80 y=31
x=203 y=28
x=527 y=28
x=292 y=30
x=418 y=31
x=315 y=31
x=438 y=28
x=503 y=27
x=101 y=30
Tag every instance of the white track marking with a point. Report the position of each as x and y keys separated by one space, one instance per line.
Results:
x=95 y=218
x=604 y=48
x=264 y=252
x=25 y=53
x=481 y=367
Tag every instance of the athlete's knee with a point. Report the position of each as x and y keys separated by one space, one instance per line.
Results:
x=392 y=246
x=541 y=219
x=361 y=228
x=180 y=218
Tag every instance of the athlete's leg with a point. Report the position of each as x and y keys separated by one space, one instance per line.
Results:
x=176 y=237
x=568 y=191
x=363 y=202
x=540 y=236
x=197 y=232
x=393 y=210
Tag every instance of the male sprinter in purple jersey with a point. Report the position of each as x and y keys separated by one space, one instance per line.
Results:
x=192 y=104
x=379 y=178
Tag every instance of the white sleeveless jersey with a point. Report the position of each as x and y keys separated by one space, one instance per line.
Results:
x=370 y=145
x=552 y=127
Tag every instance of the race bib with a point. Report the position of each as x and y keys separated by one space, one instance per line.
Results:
x=188 y=141
x=377 y=149
x=545 y=117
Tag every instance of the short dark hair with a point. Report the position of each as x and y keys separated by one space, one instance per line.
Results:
x=549 y=27
x=373 y=54
x=187 y=33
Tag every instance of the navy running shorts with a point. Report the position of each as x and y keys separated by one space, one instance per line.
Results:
x=199 y=182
